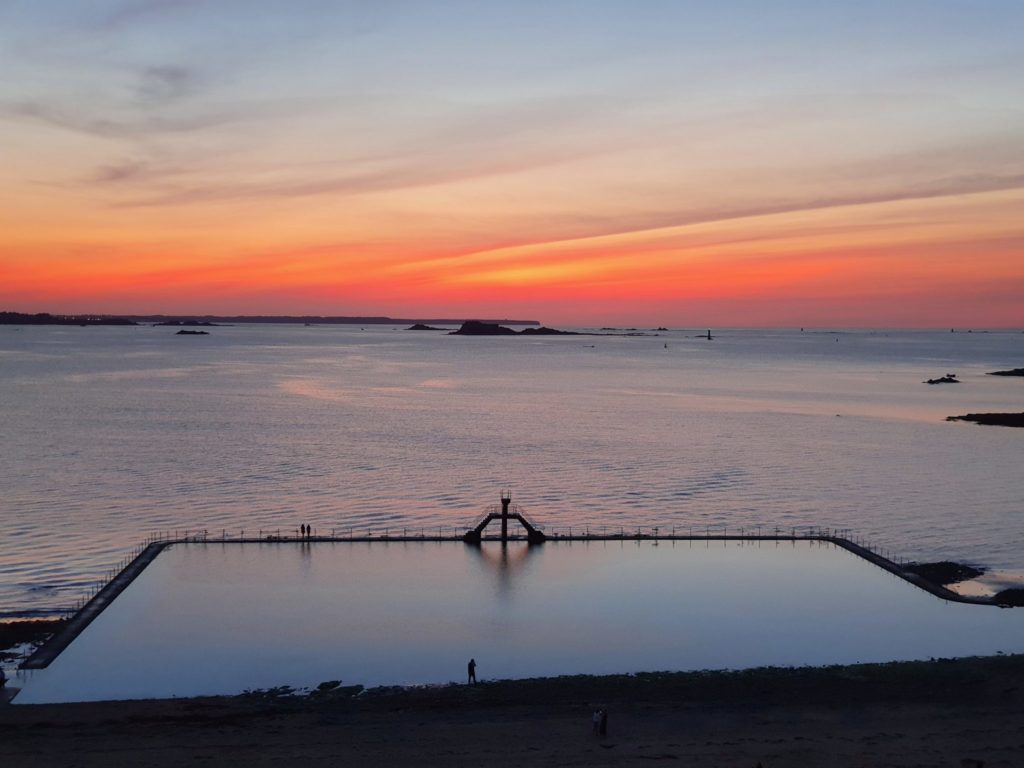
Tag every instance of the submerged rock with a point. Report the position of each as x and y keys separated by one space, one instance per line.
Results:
x=192 y=333
x=949 y=378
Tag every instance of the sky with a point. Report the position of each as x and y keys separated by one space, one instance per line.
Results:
x=579 y=162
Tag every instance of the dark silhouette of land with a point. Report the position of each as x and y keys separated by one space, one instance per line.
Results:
x=488 y=328
x=317 y=319
x=45 y=318
x=189 y=323
x=949 y=378
x=423 y=327
x=485 y=328
x=992 y=419
x=1013 y=372
x=192 y=333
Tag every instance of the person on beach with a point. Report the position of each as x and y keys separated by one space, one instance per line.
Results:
x=471 y=667
x=603 y=728
x=595 y=722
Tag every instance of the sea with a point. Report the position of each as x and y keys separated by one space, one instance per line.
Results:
x=112 y=435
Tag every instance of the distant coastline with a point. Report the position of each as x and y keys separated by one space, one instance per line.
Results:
x=46 y=318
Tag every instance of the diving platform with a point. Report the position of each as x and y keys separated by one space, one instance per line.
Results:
x=534 y=535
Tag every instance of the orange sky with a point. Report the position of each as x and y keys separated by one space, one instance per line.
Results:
x=152 y=167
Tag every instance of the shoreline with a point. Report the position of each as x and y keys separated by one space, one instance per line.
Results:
x=901 y=713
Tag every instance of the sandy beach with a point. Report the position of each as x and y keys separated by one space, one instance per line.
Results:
x=903 y=714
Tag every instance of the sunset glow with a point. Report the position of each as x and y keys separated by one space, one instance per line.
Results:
x=605 y=162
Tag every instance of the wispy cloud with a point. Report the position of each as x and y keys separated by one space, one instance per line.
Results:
x=110 y=128
x=144 y=10
x=161 y=84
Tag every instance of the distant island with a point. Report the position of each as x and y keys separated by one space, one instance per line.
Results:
x=423 y=327
x=491 y=328
x=487 y=328
x=949 y=378
x=183 y=332
x=1013 y=372
x=186 y=322
x=45 y=318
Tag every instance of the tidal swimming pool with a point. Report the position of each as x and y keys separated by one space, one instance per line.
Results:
x=222 y=618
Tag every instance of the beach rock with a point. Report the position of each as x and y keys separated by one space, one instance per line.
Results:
x=945 y=572
x=1014 y=597
x=34 y=631
x=992 y=419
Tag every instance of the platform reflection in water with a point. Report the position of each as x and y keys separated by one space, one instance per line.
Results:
x=222 y=618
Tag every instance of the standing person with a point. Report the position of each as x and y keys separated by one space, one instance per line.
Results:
x=595 y=721
x=471 y=667
x=603 y=729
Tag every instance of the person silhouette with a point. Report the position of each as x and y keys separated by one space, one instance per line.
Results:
x=471 y=667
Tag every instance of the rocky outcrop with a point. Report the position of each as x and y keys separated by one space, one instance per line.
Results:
x=944 y=572
x=992 y=419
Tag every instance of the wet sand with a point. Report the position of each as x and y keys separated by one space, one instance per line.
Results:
x=910 y=714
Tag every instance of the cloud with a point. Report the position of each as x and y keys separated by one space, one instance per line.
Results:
x=164 y=83
x=133 y=12
x=126 y=171
x=110 y=128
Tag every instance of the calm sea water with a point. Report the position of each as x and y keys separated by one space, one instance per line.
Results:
x=110 y=434
x=217 y=619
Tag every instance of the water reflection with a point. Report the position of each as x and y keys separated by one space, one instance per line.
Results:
x=504 y=560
